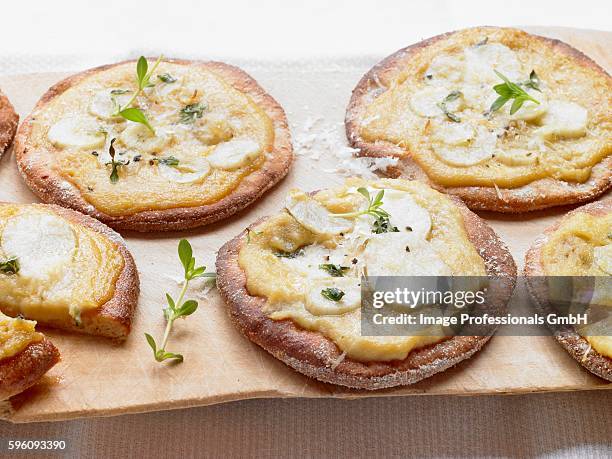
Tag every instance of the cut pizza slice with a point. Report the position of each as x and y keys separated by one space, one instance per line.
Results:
x=25 y=355
x=65 y=270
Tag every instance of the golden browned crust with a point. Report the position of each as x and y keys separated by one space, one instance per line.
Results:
x=577 y=346
x=47 y=184
x=314 y=355
x=23 y=370
x=113 y=319
x=8 y=123
x=539 y=194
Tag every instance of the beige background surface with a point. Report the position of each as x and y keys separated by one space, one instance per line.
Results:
x=566 y=424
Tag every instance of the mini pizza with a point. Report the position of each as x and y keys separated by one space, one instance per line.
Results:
x=292 y=281
x=178 y=145
x=580 y=244
x=8 y=123
x=507 y=121
x=25 y=355
x=65 y=270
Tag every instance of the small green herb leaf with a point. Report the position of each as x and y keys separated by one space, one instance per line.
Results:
x=142 y=80
x=10 y=266
x=185 y=253
x=515 y=106
x=118 y=92
x=136 y=115
x=454 y=95
x=533 y=82
x=188 y=308
x=334 y=270
x=115 y=163
x=191 y=112
x=295 y=254
x=142 y=66
x=374 y=205
x=151 y=342
x=161 y=356
x=170 y=302
x=383 y=225
x=509 y=90
x=248 y=234
x=499 y=103
x=166 y=78
x=114 y=177
x=451 y=116
x=332 y=293
x=198 y=272
x=168 y=161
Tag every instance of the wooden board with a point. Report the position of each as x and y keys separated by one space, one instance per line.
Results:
x=97 y=377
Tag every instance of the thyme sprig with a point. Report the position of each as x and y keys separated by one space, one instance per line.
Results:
x=509 y=90
x=179 y=308
x=115 y=163
x=374 y=206
x=143 y=77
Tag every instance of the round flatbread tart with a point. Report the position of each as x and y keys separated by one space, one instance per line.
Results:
x=579 y=245
x=8 y=123
x=155 y=145
x=292 y=281
x=506 y=120
x=65 y=270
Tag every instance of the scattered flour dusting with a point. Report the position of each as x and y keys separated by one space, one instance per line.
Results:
x=203 y=288
x=199 y=287
x=179 y=280
x=317 y=140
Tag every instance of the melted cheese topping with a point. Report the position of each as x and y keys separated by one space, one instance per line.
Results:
x=579 y=247
x=64 y=269
x=16 y=335
x=307 y=234
x=224 y=139
x=582 y=246
x=563 y=137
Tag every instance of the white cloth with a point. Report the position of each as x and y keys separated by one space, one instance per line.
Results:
x=67 y=35
x=544 y=425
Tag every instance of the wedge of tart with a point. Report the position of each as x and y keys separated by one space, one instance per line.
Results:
x=199 y=142
x=25 y=355
x=578 y=245
x=8 y=123
x=65 y=270
x=506 y=120
x=274 y=277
